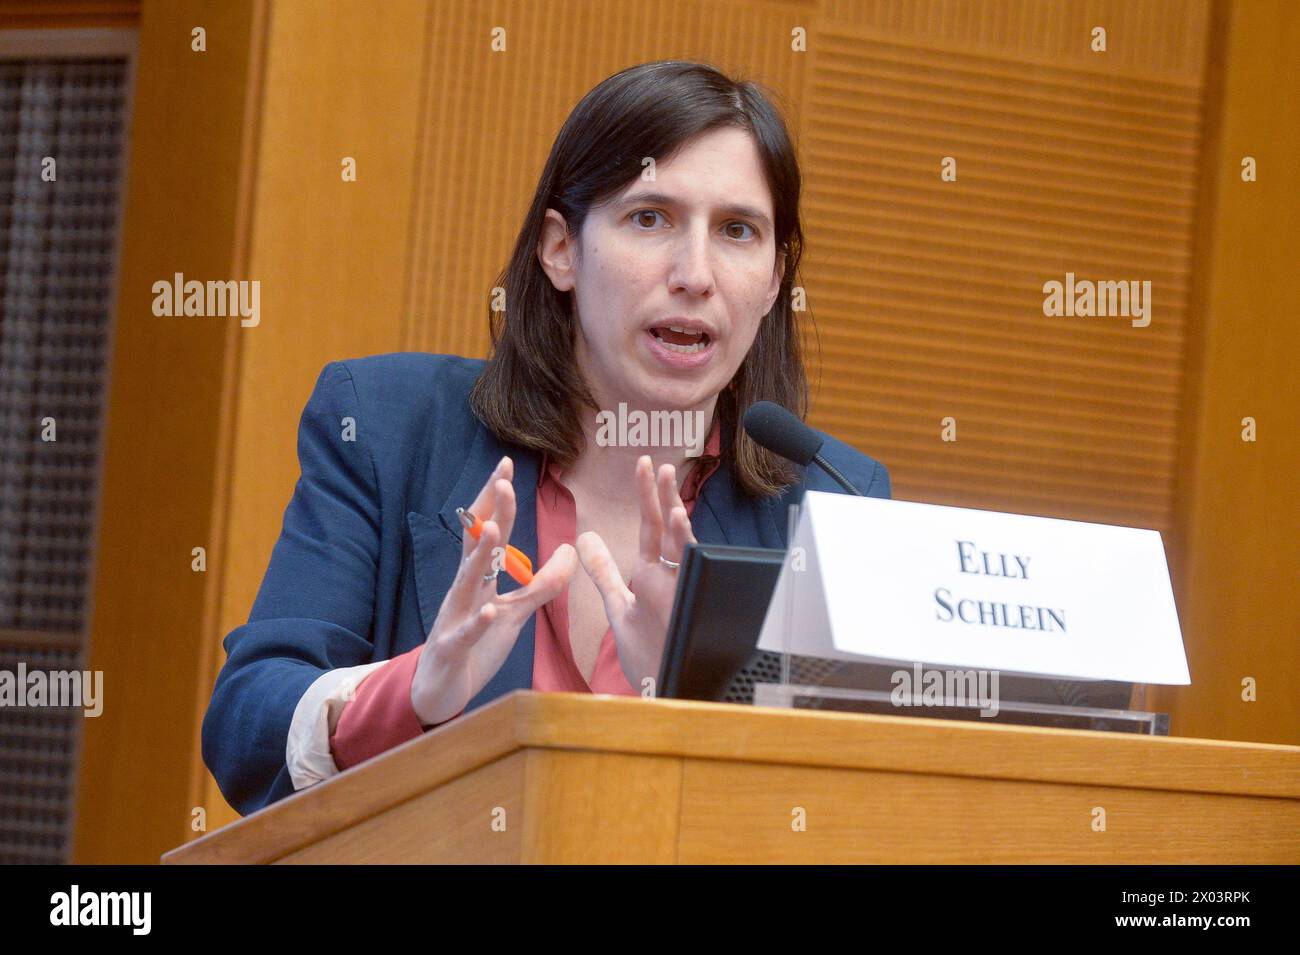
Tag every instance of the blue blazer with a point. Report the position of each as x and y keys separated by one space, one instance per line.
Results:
x=371 y=543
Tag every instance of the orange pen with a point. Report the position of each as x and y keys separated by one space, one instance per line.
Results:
x=517 y=563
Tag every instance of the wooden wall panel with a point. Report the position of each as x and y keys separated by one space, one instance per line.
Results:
x=1236 y=503
x=163 y=467
x=927 y=295
x=1160 y=38
x=340 y=81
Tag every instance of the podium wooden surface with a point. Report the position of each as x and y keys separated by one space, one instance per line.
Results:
x=560 y=777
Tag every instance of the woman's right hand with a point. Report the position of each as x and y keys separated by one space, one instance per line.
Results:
x=476 y=627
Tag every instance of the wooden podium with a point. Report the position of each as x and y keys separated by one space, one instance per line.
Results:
x=569 y=778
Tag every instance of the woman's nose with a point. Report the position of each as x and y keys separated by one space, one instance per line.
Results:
x=692 y=269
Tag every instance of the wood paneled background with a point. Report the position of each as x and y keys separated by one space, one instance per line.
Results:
x=926 y=295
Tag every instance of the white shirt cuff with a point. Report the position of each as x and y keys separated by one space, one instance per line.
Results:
x=307 y=751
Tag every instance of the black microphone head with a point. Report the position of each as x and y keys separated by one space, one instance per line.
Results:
x=781 y=432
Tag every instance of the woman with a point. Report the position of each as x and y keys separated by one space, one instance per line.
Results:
x=653 y=273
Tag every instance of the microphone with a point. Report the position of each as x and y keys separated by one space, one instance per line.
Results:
x=781 y=432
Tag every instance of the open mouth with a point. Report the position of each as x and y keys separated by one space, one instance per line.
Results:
x=680 y=340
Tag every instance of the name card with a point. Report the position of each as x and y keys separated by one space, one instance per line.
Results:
x=893 y=581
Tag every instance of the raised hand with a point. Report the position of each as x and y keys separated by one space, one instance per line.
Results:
x=638 y=611
x=476 y=627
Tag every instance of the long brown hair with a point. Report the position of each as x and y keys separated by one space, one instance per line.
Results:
x=531 y=389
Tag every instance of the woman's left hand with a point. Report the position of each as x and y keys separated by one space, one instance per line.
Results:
x=638 y=611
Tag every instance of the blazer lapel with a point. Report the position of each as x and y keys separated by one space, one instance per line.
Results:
x=724 y=514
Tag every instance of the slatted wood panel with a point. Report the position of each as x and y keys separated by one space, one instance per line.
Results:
x=927 y=294
x=1160 y=38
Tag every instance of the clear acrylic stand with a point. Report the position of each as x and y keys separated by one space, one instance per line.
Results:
x=882 y=703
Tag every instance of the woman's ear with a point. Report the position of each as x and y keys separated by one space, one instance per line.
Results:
x=555 y=251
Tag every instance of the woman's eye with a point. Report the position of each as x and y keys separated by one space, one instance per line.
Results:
x=743 y=225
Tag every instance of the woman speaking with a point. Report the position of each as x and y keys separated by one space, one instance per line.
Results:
x=464 y=528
